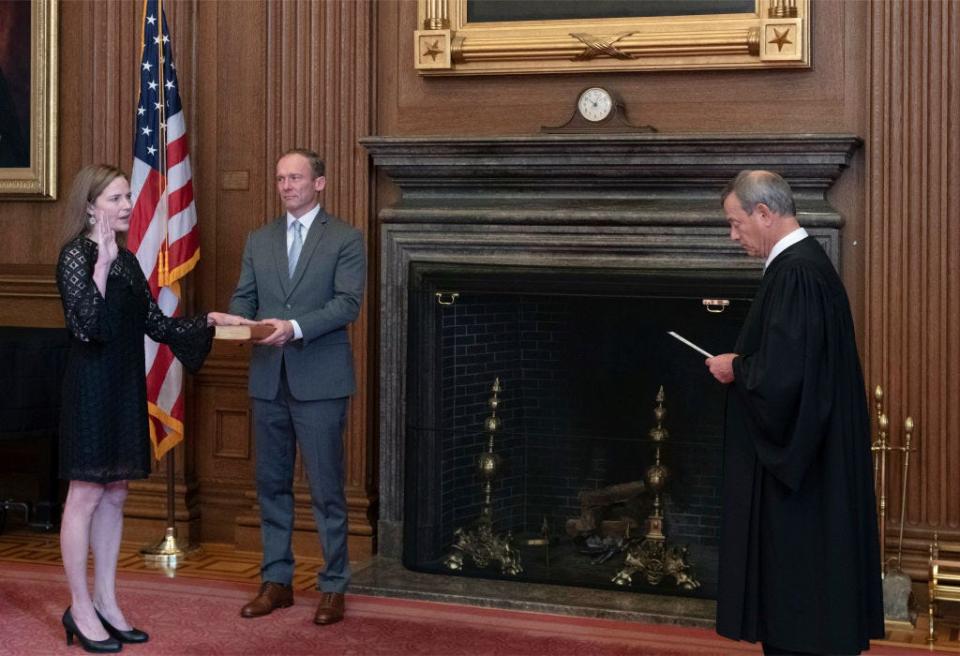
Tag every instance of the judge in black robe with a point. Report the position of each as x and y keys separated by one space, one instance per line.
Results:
x=799 y=554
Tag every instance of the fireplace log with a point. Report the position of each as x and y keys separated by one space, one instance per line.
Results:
x=594 y=503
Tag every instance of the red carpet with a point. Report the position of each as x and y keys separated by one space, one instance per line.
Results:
x=201 y=617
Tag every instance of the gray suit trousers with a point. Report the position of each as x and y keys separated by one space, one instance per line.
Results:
x=317 y=428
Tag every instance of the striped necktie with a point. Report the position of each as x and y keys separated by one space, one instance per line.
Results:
x=295 y=247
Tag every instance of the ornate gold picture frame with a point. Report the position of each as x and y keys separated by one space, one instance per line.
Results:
x=28 y=100
x=775 y=35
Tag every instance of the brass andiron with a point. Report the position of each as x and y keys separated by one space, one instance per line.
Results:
x=652 y=557
x=479 y=541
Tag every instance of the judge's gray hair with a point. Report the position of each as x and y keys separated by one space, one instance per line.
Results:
x=754 y=187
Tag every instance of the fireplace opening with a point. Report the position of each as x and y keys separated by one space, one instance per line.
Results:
x=558 y=474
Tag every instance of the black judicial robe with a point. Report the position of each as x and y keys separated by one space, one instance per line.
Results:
x=799 y=554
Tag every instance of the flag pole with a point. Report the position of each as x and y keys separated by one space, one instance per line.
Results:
x=169 y=550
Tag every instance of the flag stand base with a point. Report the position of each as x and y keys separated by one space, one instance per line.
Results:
x=169 y=551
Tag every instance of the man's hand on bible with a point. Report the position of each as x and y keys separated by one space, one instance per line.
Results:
x=282 y=332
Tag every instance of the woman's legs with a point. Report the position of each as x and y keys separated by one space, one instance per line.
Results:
x=105 y=533
x=83 y=500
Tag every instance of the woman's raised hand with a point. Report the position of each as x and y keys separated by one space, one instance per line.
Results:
x=106 y=239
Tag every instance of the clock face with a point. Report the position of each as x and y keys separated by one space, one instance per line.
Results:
x=595 y=104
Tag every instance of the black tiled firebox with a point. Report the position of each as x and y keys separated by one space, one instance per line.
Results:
x=581 y=358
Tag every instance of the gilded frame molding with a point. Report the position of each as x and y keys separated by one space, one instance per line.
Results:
x=38 y=181
x=775 y=35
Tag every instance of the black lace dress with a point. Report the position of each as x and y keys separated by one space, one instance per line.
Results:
x=104 y=435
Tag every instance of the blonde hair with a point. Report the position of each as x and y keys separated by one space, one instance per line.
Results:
x=88 y=184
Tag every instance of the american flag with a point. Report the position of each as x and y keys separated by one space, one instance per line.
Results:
x=163 y=229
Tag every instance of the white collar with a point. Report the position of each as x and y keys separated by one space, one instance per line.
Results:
x=306 y=219
x=785 y=242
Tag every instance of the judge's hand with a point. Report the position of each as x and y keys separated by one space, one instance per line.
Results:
x=224 y=319
x=721 y=366
x=106 y=239
x=282 y=332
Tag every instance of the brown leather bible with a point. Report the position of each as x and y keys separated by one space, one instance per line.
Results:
x=243 y=333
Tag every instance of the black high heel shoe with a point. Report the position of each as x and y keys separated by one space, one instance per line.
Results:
x=108 y=646
x=133 y=635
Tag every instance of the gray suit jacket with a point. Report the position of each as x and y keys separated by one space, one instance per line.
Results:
x=324 y=296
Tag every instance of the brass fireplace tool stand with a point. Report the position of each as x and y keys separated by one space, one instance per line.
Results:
x=652 y=557
x=479 y=541
x=898 y=603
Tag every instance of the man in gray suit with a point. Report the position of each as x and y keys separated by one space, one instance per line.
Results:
x=302 y=273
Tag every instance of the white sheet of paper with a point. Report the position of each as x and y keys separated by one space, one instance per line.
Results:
x=689 y=343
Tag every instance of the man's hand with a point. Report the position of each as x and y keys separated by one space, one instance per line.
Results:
x=224 y=319
x=282 y=332
x=721 y=366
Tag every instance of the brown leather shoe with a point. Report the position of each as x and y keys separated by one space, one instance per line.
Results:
x=330 y=609
x=271 y=596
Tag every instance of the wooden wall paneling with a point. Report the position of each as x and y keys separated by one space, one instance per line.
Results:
x=223 y=419
x=223 y=446
x=826 y=98
x=31 y=230
x=229 y=162
x=949 y=163
x=113 y=47
x=318 y=75
x=348 y=72
x=913 y=302
x=694 y=101
x=300 y=75
x=182 y=20
x=29 y=296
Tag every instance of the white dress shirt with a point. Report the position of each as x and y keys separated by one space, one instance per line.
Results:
x=785 y=242
x=306 y=220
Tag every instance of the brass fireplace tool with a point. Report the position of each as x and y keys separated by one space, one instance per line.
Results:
x=652 y=557
x=479 y=541
x=898 y=604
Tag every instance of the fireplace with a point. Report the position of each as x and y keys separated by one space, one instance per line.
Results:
x=556 y=265
x=580 y=358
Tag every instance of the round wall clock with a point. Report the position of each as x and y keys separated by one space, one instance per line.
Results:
x=595 y=104
x=597 y=111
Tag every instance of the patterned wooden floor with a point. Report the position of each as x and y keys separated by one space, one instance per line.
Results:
x=222 y=563
x=214 y=561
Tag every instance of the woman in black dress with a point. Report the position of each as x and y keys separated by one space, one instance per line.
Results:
x=104 y=435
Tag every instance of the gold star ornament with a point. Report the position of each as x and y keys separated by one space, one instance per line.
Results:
x=780 y=39
x=433 y=49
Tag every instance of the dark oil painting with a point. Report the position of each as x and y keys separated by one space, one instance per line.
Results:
x=14 y=83
x=482 y=11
